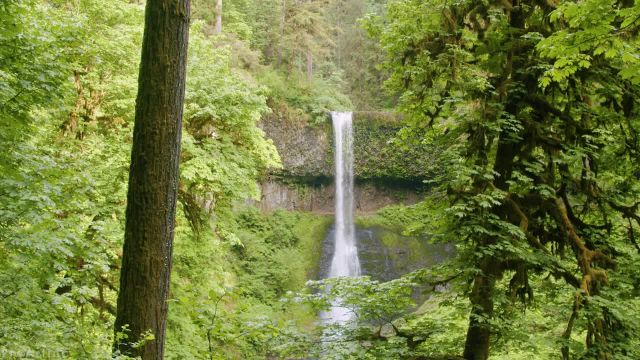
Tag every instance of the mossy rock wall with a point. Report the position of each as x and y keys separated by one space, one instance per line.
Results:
x=380 y=156
x=320 y=197
x=305 y=150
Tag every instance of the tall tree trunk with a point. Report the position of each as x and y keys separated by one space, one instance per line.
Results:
x=153 y=179
x=481 y=297
x=218 y=29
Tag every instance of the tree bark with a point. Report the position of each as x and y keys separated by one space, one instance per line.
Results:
x=476 y=346
x=218 y=28
x=153 y=180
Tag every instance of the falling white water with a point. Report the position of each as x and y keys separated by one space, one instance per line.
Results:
x=345 y=260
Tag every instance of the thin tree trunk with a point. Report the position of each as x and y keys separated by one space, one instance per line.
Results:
x=309 y=65
x=153 y=179
x=476 y=346
x=218 y=29
x=280 y=44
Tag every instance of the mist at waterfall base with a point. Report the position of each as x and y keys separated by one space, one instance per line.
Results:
x=344 y=261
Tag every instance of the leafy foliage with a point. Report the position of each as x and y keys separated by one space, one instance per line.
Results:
x=226 y=303
x=525 y=101
x=524 y=114
x=63 y=184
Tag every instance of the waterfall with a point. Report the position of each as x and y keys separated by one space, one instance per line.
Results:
x=345 y=260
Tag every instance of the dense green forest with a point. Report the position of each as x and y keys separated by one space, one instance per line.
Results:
x=516 y=123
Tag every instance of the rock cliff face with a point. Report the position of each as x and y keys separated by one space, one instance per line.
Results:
x=386 y=171
x=319 y=197
x=305 y=150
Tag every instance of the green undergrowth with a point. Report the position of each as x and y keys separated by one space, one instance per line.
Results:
x=292 y=241
x=226 y=297
x=395 y=217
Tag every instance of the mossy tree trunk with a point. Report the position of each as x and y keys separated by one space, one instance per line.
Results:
x=478 y=338
x=153 y=179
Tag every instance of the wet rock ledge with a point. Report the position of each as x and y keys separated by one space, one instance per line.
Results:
x=386 y=172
